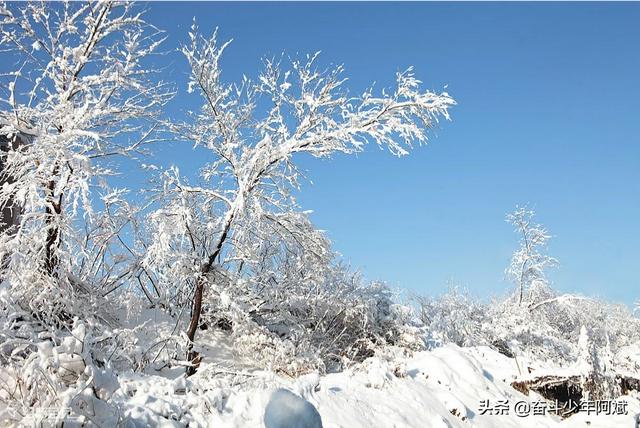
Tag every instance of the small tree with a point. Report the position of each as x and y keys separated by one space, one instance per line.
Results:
x=529 y=263
x=254 y=131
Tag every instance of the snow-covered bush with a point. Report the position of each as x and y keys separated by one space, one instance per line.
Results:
x=45 y=368
x=454 y=317
x=297 y=320
x=539 y=333
x=547 y=331
x=553 y=327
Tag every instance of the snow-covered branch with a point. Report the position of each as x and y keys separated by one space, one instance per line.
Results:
x=558 y=299
x=254 y=130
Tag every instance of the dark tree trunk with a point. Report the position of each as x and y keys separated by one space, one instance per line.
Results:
x=10 y=214
x=53 y=210
x=193 y=357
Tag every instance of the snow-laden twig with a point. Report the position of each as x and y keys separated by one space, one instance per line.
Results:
x=559 y=299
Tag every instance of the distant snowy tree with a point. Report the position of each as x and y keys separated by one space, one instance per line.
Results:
x=82 y=92
x=529 y=263
x=254 y=131
x=546 y=328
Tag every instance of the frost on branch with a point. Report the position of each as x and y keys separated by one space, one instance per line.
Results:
x=254 y=130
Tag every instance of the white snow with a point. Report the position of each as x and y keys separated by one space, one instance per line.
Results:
x=98 y=285
x=286 y=410
x=438 y=388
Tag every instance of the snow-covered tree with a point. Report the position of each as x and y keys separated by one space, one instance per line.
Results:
x=81 y=90
x=529 y=263
x=254 y=130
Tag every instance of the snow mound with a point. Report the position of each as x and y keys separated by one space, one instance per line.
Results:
x=287 y=410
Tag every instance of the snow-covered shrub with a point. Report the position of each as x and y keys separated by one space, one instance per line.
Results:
x=75 y=370
x=549 y=331
x=454 y=317
x=532 y=333
x=323 y=326
x=545 y=331
x=46 y=368
x=321 y=313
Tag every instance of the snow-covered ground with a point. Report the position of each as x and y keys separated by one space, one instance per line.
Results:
x=439 y=388
x=446 y=387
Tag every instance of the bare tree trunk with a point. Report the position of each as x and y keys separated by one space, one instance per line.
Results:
x=192 y=356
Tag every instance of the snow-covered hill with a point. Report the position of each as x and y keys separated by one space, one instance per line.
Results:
x=439 y=388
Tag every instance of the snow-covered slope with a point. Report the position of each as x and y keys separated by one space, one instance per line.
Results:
x=439 y=388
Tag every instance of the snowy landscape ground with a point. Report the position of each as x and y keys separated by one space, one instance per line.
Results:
x=439 y=388
x=134 y=293
x=445 y=386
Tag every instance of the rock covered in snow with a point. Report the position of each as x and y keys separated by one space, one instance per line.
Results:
x=105 y=382
x=287 y=410
x=70 y=360
x=379 y=373
x=307 y=384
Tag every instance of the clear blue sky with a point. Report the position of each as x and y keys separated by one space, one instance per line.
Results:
x=548 y=114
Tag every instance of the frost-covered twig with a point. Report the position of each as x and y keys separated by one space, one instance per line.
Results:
x=558 y=299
